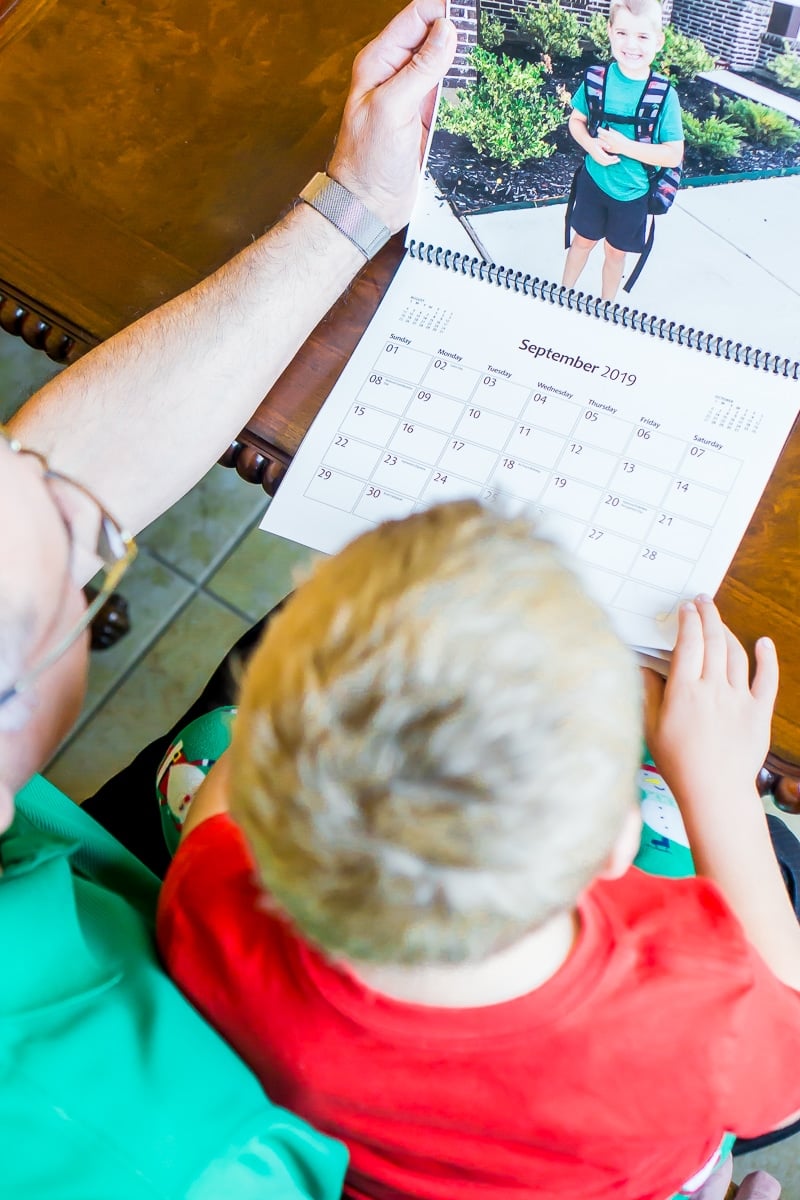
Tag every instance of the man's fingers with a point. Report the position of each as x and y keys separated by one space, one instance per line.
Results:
x=393 y=48
x=765 y=681
x=687 y=658
x=414 y=82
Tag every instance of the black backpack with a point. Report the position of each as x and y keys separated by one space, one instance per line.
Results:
x=664 y=181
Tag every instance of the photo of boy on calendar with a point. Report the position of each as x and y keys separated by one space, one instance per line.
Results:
x=658 y=129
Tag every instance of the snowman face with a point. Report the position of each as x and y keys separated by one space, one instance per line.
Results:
x=182 y=782
x=659 y=810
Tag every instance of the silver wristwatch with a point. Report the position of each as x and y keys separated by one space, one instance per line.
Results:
x=346 y=212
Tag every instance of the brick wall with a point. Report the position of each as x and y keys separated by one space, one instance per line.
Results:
x=772 y=44
x=465 y=18
x=730 y=29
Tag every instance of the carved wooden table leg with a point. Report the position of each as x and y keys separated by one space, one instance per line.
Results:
x=267 y=466
x=781 y=780
x=111 y=623
x=267 y=469
x=39 y=334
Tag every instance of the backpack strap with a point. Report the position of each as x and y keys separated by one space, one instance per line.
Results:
x=643 y=257
x=573 y=188
x=650 y=106
x=594 y=85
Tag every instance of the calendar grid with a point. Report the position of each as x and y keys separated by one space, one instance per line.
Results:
x=637 y=505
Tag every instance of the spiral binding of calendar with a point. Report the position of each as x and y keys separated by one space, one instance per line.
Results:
x=605 y=310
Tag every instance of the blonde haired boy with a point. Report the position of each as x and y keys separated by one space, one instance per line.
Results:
x=612 y=189
x=418 y=924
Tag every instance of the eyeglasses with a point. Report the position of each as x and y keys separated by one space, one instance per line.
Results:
x=99 y=546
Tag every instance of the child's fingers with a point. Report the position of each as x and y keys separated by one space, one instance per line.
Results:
x=715 y=660
x=687 y=658
x=765 y=681
x=653 y=700
x=738 y=662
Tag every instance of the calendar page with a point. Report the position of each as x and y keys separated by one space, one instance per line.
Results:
x=645 y=460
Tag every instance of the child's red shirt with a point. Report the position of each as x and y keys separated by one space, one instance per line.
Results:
x=616 y=1078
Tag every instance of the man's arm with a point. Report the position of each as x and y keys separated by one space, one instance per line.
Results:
x=709 y=732
x=190 y=373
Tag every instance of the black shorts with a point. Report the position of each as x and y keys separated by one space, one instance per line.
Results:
x=596 y=215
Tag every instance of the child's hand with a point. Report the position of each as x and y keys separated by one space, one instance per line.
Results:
x=613 y=142
x=601 y=156
x=709 y=728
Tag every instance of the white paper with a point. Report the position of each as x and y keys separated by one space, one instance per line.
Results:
x=645 y=459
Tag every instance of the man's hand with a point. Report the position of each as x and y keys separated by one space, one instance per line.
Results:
x=709 y=728
x=389 y=110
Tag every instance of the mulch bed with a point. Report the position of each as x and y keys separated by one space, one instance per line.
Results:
x=474 y=183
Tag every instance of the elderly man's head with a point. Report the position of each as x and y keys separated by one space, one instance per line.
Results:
x=47 y=525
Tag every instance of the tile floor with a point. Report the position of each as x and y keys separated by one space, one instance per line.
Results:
x=204 y=574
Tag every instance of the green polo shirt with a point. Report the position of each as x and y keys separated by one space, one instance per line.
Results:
x=111 y=1086
x=628 y=179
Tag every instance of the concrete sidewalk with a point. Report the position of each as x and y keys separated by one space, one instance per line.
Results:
x=726 y=258
x=753 y=91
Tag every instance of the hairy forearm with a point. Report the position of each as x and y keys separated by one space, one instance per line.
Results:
x=143 y=416
x=731 y=845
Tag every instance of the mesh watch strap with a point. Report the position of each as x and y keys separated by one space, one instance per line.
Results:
x=346 y=212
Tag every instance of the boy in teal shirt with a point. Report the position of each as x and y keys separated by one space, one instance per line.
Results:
x=611 y=200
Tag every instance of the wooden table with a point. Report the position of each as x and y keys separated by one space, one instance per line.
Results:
x=144 y=142
x=759 y=595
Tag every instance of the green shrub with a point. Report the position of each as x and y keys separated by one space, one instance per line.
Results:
x=763 y=125
x=504 y=113
x=551 y=29
x=786 y=69
x=492 y=34
x=681 y=57
x=597 y=33
x=718 y=138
